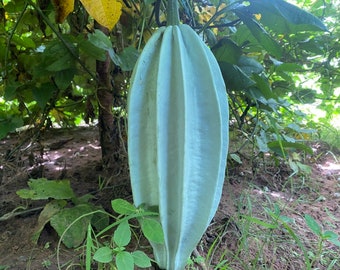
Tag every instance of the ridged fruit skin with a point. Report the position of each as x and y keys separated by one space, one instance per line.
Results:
x=178 y=138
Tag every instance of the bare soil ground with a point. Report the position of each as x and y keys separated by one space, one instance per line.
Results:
x=236 y=238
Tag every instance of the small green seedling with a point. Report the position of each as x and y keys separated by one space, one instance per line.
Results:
x=322 y=237
x=115 y=253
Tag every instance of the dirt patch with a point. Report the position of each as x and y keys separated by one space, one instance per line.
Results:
x=250 y=235
x=243 y=235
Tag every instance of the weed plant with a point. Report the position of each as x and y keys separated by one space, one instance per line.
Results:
x=266 y=238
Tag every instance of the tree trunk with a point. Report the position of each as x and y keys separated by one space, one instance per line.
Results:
x=108 y=123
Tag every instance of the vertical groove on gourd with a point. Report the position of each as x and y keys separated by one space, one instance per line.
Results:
x=171 y=151
x=218 y=109
x=142 y=124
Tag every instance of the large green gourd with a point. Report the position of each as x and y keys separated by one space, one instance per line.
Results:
x=178 y=138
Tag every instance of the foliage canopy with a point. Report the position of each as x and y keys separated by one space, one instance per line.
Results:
x=275 y=57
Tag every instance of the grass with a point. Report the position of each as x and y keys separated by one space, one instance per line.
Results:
x=273 y=232
x=330 y=135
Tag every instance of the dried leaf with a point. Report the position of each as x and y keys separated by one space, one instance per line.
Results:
x=105 y=12
x=62 y=9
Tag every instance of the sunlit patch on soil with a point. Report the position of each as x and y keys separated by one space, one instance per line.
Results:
x=329 y=166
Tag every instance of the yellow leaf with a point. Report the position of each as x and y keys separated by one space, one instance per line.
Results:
x=105 y=12
x=62 y=9
x=258 y=16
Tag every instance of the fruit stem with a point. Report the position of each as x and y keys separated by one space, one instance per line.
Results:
x=172 y=13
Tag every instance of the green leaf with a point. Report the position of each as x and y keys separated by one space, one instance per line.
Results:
x=290 y=67
x=62 y=63
x=288 y=18
x=210 y=37
x=304 y=96
x=11 y=90
x=141 y=259
x=152 y=230
x=63 y=78
x=313 y=45
x=100 y=220
x=124 y=261
x=91 y=49
x=313 y=225
x=260 y=222
x=236 y=158
x=55 y=57
x=9 y=125
x=44 y=93
x=227 y=50
x=103 y=255
x=297 y=16
x=276 y=147
x=82 y=199
x=128 y=58
x=41 y=189
x=237 y=77
x=264 y=87
x=288 y=138
x=259 y=32
x=123 y=207
x=262 y=143
x=304 y=168
x=331 y=237
x=100 y=40
x=293 y=166
x=23 y=41
x=335 y=242
x=15 y=6
x=234 y=77
x=286 y=219
x=300 y=244
x=299 y=129
x=122 y=235
x=89 y=248
x=249 y=65
x=115 y=57
x=45 y=216
x=74 y=235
